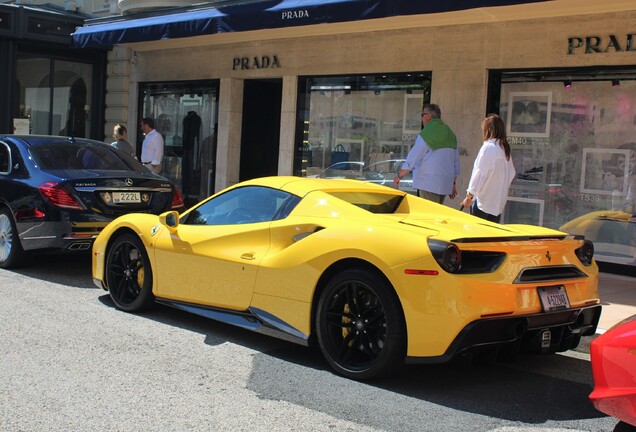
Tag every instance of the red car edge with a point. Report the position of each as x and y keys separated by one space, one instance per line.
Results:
x=613 y=356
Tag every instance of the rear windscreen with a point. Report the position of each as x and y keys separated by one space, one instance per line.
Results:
x=373 y=202
x=76 y=155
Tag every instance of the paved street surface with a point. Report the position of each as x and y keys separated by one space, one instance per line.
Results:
x=69 y=361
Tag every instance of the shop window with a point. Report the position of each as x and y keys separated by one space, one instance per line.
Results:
x=573 y=147
x=358 y=126
x=185 y=114
x=55 y=97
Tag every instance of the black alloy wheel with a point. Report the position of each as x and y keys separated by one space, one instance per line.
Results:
x=11 y=253
x=360 y=326
x=128 y=274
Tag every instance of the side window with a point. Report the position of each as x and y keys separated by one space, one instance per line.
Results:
x=249 y=204
x=5 y=158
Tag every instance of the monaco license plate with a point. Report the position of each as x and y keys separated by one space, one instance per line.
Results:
x=554 y=298
x=126 y=197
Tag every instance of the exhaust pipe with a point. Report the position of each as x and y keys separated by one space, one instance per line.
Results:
x=517 y=329
x=79 y=246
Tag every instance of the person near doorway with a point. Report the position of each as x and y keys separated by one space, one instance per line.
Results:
x=493 y=172
x=434 y=159
x=152 y=147
x=121 y=140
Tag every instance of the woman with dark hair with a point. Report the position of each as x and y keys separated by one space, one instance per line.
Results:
x=493 y=172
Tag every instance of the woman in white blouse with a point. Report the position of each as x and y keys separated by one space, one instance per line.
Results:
x=493 y=172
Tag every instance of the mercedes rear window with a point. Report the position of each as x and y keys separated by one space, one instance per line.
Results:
x=77 y=155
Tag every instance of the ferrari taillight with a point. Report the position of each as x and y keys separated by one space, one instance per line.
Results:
x=177 y=199
x=447 y=255
x=586 y=253
x=58 y=196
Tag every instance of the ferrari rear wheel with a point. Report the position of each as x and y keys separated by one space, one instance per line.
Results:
x=360 y=326
x=11 y=253
x=128 y=274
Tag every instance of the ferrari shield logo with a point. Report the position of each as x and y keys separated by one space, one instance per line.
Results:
x=154 y=230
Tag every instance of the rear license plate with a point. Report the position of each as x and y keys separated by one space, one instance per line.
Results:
x=126 y=197
x=554 y=298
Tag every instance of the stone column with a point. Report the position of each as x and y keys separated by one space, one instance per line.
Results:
x=118 y=97
x=228 y=153
x=288 y=126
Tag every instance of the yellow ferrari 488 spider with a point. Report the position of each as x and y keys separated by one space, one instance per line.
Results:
x=374 y=276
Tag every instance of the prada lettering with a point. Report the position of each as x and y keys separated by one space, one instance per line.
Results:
x=598 y=44
x=295 y=14
x=255 y=62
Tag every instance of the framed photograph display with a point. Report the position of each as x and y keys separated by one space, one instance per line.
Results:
x=529 y=114
x=604 y=171
x=523 y=211
x=412 y=114
x=398 y=148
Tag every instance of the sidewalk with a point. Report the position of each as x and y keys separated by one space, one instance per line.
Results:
x=618 y=297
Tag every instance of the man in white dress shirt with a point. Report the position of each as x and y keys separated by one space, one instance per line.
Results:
x=152 y=147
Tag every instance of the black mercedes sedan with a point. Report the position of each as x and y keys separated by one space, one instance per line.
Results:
x=57 y=193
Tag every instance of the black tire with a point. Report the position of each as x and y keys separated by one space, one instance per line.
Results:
x=360 y=326
x=11 y=253
x=128 y=274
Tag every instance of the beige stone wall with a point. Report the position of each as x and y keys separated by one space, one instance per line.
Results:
x=459 y=57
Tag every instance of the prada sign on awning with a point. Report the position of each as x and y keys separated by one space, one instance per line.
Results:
x=201 y=20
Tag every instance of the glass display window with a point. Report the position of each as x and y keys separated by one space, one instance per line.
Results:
x=358 y=126
x=55 y=97
x=574 y=151
x=186 y=116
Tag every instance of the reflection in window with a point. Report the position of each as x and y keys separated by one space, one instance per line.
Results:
x=55 y=96
x=76 y=155
x=575 y=155
x=349 y=122
x=250 y=204
x=185 y=114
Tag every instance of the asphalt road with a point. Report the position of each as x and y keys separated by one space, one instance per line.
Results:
x=70 y=361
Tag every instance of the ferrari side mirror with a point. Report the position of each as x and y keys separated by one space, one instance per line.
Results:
x=170 y=219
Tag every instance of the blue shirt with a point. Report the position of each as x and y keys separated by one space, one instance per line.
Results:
x=433 y=170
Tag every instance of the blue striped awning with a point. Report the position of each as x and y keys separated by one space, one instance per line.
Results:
x=200 y=20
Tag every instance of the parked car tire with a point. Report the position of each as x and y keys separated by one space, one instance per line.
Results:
x=11 y=253
x=128 y=274
x=360 y=326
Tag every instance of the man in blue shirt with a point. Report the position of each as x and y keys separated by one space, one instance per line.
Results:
x=434 y=159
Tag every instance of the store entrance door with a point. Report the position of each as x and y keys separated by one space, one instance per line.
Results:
x=260 y=133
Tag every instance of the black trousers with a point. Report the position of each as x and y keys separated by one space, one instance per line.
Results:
x=474 y=210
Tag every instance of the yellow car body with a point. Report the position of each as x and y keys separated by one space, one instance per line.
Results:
x=272 y=273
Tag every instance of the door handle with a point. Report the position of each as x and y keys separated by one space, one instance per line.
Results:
x=248 y=256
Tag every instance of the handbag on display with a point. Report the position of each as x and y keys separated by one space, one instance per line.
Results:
x=380 y=161
x=339 y=154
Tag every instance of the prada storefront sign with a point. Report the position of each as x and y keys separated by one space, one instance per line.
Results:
x=601 y=44
x=256 y=62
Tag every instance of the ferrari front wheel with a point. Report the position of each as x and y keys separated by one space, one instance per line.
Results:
x=360 y=326
x=128 y=274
